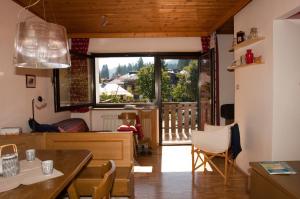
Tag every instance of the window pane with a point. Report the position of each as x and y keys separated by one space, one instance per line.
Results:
x=179 y=80
x=125 y=80
x=75 y=83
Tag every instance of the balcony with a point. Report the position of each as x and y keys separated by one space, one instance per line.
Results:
x=180 y=118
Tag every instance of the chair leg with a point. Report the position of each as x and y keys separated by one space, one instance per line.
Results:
x=204 y=164
x=135 y=146
x=193 y=159
x=72 y=192
x=225 y=169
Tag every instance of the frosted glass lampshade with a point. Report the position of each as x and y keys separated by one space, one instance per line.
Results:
x=41 y=45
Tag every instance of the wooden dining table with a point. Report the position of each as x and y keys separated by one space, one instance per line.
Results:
x=69 y=162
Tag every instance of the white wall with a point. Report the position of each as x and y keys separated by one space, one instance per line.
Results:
x=286 y=125
x=226 y=78
x=15 y=99
x=126 y=45
x=254 y=85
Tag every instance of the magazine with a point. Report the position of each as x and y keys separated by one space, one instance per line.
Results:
x=276 y=167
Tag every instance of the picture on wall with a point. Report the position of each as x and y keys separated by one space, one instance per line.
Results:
x=30 y=81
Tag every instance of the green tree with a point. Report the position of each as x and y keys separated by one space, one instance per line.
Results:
x=182 y=63
x=186 y=88
x=140 y=63
x=166 y=88
x=104 y=74
x=145 y=83
x=130 y=67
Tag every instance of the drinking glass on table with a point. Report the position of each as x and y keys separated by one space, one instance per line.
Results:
x=47 y=167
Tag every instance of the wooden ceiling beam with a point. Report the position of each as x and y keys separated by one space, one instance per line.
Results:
x=137 y=34
x=238 y=6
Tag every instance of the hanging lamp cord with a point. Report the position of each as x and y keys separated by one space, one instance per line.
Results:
x=26 y=8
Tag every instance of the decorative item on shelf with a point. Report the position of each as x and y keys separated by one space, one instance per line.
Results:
x=40 y=45
x=233 y=44
x=258 y=60
x=240 y=37
x=10 y=165
x=242 y=60
x=249 y=57
x=253 y=33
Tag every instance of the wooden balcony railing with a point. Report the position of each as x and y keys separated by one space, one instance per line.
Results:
x=179 y=118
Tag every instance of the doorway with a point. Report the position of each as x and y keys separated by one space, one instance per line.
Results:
x=179 y=99
x=186 y=97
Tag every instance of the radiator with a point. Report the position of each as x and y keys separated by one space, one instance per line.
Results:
x=110 y=122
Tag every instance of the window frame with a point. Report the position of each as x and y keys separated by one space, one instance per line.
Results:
x=158 y=56
x=157 y=72
x=56 y=86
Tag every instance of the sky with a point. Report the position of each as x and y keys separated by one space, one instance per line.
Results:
x=113 y=62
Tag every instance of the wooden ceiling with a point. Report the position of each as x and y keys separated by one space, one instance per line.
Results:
x=138 y=18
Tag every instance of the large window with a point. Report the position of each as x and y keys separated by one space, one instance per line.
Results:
x=124 y=80
x=118 y=79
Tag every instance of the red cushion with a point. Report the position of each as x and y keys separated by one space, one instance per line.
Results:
x=127 y=128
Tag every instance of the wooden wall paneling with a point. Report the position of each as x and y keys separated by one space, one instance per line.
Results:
x=24 y=142
x=104 y=146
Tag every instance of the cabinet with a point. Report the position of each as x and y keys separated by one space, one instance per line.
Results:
x=263 y=185
x=243 y=45
x=149 y=120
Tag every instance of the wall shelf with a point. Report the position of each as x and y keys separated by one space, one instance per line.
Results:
x=246 y=43
x=232 y=68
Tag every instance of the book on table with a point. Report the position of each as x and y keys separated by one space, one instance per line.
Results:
x=277 y=167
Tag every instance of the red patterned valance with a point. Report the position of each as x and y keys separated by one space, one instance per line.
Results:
x=80 y=45
x=205 y=43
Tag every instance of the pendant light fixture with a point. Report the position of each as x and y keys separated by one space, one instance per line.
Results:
x=41 y=45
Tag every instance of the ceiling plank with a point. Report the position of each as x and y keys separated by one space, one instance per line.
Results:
x=238 y=6
x=138 y=18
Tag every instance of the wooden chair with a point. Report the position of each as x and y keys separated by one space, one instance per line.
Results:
x=212 y=142
x=129 y=118
x=100 y=191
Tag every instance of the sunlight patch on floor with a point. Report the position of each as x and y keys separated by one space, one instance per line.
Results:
x=142 y=169
x=179 y=159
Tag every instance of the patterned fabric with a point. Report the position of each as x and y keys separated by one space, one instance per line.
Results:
x=205 y=43
x=72 y=125
x=80 y=45
x=137 y=129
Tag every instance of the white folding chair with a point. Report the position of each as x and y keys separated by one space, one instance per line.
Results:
x=213 y=142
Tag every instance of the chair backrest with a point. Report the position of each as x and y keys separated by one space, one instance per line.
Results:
x=105 y=186
x=127 y=118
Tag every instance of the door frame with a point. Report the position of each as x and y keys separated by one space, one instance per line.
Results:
x=158 y=81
